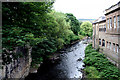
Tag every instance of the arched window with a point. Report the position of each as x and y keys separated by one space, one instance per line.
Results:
x=99 y=41
x=103 y=42
x=107 y=45
x=117 y=48
x=114 y=47
x=110 y=45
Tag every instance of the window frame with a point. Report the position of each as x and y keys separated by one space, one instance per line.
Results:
x=103 y=42
x=99 y=41
x=110 y=23
x=114 y=47
x=114 y=21
x=110 y=44
x=107 y=44
x=117 y=51
x=118 y=21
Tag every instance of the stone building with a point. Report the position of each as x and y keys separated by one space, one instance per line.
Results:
x=106 y=33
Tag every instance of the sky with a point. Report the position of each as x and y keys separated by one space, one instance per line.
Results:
x=84 y=9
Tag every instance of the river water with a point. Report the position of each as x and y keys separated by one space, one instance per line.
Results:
x=68 y=67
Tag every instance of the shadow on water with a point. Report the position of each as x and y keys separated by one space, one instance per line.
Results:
x=67 y=67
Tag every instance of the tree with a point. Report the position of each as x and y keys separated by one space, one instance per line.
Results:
x=24 y=24
x=74 y=23
x=36 y=25
x=86 y=29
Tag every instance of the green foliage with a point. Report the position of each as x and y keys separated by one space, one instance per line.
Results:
x=74 y=23
x=92 y=72
x=58 y=33
x=23 y=24
x=36 y=25
x=21 y=20
x=86 y=29
x=104 y=67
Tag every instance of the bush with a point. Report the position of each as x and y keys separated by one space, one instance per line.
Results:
x=81 y=37
x=89 y=51
x=96 y=61
x=74 y=38
x=91 y=72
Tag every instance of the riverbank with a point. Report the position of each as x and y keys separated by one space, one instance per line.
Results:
x=98 y=66
x=65 y=65
x=55 y=56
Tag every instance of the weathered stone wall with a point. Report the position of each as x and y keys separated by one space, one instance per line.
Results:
x=18 y=68
x=0 y=66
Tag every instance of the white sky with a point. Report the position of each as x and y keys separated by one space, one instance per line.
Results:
x=85 y=9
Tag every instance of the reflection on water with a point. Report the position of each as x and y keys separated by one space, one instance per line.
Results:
x=69 y=65
x=71 y=61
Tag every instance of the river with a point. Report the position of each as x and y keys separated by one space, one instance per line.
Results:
x=67 y=67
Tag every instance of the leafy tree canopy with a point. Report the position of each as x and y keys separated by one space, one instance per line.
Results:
x=86 y=29
x=74 y=23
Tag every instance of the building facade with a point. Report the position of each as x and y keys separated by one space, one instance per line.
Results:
x=106 y=33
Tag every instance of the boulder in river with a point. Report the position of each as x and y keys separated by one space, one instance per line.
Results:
x=79 y=59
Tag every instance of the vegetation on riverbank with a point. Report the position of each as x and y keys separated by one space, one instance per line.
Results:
x=98 y=66
x=36 y=25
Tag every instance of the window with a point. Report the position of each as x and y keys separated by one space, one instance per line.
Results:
x=114 y=47
x=105 y=27
x=99 y=41
x=110 y=45
x=114 y=22
x=103 y=42
x=107 y=45
x=102 y=28
x=117 y=48
x=110 y=23
x=118 y=21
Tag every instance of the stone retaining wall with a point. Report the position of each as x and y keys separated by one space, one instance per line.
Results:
x=18 y=68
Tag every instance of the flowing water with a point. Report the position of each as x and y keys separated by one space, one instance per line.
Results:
x=68 y=67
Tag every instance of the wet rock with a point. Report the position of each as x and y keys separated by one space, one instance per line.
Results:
x=83 y=65
x=77 y=67
x=62 y=51
x=70 y=50
x=80 y=70
x=79 y=59
x=75 y=55
x=85 y=42
x=33 y=70
x=75 y=47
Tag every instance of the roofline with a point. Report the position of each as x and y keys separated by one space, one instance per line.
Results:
x=107 y=11
x=99 y=21
x=96 y=21
x=112 y=8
